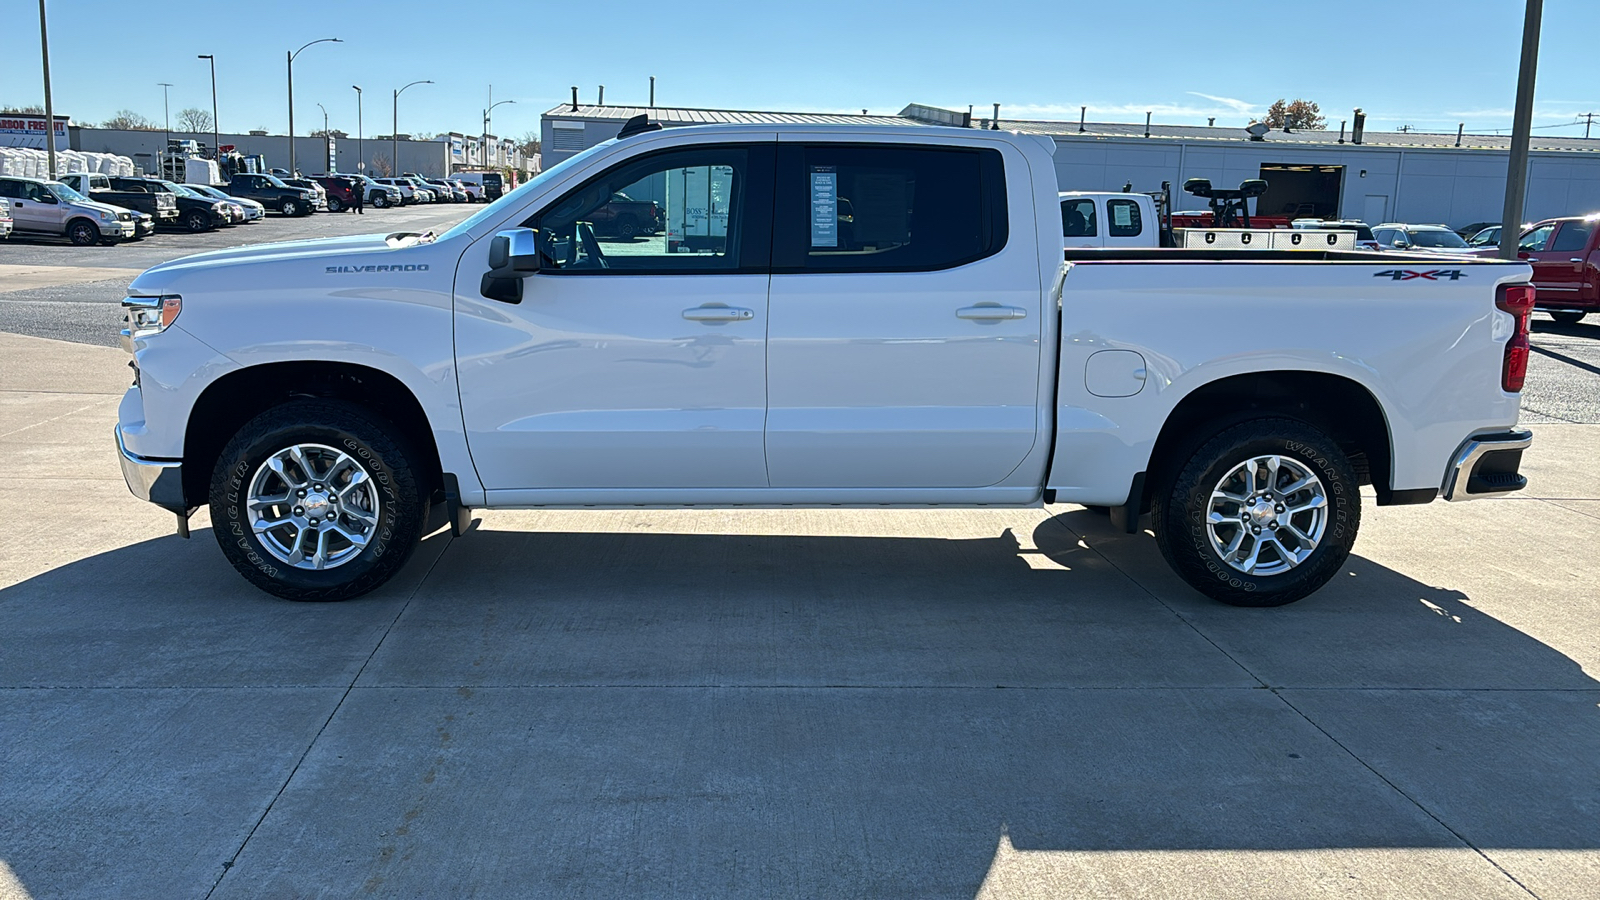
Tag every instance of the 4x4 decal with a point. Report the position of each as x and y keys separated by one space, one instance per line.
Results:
x=1430 y=275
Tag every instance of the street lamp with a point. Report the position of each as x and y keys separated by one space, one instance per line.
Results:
x=216 y=126
x=325 y=135
x=291 y=57
x=394 y=130
x=486 y=124
x=166 y=125
x=361 y=153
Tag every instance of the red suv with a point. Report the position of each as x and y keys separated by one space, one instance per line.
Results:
x=1565 y=254
x=341 y=192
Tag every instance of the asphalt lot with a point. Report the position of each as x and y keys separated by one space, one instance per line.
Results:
x=797 y=703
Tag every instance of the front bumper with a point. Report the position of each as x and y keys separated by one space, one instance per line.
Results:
x=159 y=481
x=1486 y=466
x=5 y=227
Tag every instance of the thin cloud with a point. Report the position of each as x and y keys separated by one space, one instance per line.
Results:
x=1239 y=106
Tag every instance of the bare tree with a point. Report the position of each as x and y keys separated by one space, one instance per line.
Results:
x=128 y=120
x=9 y=110
x=528 y=143
x=380 y=164
x=1302 y=114
x=194 y=119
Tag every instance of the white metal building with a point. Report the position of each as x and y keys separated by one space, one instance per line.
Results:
x=1386 y=176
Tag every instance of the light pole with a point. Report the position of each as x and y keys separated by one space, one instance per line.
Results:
x=486 y=113
x=49 y=108
x=394 y=131
x=325 y=135
x=1521 y=132
x=361 y=153
x=166 y=126
x=291 y=57
x=216 y=126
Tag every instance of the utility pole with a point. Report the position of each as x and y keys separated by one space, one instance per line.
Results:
x=1588 y=120
x=49 y=108
x=216 y=125
x=1521 y=132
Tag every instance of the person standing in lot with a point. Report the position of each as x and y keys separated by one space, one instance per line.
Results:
x=361 y=199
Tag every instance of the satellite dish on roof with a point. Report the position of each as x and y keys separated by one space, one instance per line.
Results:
x=1258 y=130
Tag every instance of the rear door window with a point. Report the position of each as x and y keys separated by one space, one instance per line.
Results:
x=887 y=208
x=1077 y=218
x=1573 y=237
x=1123 y=219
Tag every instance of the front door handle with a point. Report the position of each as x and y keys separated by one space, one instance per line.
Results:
x=991 y=312
x=718 y=314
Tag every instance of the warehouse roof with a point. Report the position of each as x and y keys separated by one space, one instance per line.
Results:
x=689 y=116
x=919 y=114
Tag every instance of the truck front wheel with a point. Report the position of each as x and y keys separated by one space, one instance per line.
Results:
x=316 y=500
x=1262 y=514
x=83 y=232
x=289 y=207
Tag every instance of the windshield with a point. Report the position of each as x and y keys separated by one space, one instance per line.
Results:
x=62 y=192
x=275 y=181
x=1444 y=239
x=535 y=183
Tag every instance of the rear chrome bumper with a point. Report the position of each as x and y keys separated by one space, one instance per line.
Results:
x=159 y=481
x=1486 y=466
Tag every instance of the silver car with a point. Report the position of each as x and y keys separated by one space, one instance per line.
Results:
x=251 y=209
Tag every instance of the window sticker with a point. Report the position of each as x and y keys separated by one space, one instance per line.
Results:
x=824 y=206
x=1122 y=215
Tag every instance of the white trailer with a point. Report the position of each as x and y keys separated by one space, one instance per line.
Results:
x=697 y=204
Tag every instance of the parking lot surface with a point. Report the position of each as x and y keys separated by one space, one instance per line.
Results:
x=819 y=703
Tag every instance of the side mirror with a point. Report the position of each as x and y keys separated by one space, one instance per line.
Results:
x=515 y=251
x=1401 y=243
x=512 y=254
x=50 y=199
x=1523 y=254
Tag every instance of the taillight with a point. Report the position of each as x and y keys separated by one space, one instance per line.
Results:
x=1516 y=299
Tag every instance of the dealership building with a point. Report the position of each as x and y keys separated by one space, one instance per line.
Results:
x=1454 y=179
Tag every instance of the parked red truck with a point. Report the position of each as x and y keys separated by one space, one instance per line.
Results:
x=1565 y=254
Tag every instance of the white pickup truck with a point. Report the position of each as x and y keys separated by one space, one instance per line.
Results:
x=887 y=320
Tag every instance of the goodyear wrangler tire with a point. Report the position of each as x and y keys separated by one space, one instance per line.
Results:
x=316 y=500
x=1262 y=514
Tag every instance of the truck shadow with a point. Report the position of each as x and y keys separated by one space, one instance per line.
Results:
x=838 y=715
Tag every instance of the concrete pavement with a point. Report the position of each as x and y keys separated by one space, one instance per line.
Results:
x=994 y=703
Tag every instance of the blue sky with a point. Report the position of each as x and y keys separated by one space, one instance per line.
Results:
x=1427 y=65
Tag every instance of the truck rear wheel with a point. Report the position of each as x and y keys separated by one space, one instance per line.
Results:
x=83 y=232
x=1262 y=514
x=316 y=500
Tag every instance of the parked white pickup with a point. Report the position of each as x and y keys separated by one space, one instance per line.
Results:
x=886 y=319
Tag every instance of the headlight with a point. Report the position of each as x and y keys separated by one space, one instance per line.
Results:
x=145 y=316
x=108 y=216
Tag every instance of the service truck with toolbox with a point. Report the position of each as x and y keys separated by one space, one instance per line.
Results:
x=888 y=320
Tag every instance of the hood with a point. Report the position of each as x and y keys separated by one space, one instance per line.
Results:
x=98 y=206
x=306 y=249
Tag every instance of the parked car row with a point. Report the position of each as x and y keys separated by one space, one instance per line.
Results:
x=91 y=208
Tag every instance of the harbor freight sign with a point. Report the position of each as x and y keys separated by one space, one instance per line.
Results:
x=30 y=131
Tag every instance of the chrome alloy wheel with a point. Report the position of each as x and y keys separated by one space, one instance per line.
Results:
x=1267 y=515
x=312 y=506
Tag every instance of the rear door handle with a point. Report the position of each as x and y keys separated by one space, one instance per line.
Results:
x=718 y=314
x=992 y=312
